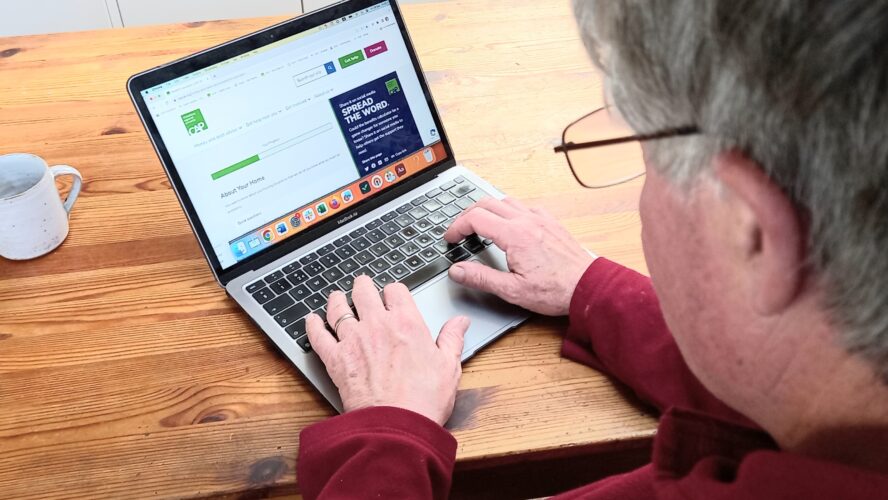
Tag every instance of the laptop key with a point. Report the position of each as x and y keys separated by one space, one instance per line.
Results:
x=376 y=236
x=424 y=240
x=423 y=225
x=403 y=209
x=431 y=205
x=291 y=315
x=345 y=252
x=304 y=343
x=346 y=284
x=252 y=287
x=409 y=232
x=463 y=203
x=373 y=224
x=404 y=220
x=436 y=218
x=444 y=247
x=474 y=244
x=363 y=257
x=445 y=198
x=463 y=189
x=281 y=286
x=458 y=254
x=316 y=283
x=313 y=268
x=389 y=216
x=271 y=278
x=308 y=258
x=360 y=243
x=300 y=293
x=418 y=201
x=279 y=304
x=434 y=192
x=263 y=295
x=394 y=241
x=315 y=302
x=348 y=266
x=333 y=274
x=341 y=241
x=459 y=180
x=290 y=268
x=379 y=249
x=330 y=260
x=438 y=231
x=390 y=228
x=399 y=271
x=452 y=210
x=415 y=261
x=447 y=186
x=298 y=277
x=328 y=290
x=324 y=250
x=296 y=330
x=384 y=279
x=429 y=254
x=379 y=265
x=429 y=271
x=476 y=195
x=365 y=271
x=409 y=248
x=395 y=257
x=418 y=213
x=358 y=232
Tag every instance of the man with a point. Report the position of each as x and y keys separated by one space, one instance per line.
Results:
x=763 y=222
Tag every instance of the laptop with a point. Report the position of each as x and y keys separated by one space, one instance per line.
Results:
x=309 y=153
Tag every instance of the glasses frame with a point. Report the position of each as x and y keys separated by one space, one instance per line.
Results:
x=566 y=147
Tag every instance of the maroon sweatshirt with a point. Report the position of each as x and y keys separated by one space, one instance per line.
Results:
x=703 y=449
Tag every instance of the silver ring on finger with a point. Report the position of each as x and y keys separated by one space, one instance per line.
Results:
x=341 y=319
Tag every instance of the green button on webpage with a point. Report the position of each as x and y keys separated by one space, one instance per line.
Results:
x=234 y=168
x=351 y=59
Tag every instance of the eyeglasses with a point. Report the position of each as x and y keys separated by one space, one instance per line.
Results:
x=602 y=151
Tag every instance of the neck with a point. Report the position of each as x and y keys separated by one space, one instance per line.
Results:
x=826 y=403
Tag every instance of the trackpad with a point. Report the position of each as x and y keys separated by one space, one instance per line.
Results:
x=444 y=299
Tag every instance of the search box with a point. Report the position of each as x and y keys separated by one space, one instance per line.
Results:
x=313 y=74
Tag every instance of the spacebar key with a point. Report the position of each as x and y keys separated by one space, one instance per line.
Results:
x=432 y=269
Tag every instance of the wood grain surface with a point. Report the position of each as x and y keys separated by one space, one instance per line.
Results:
x=126 y=372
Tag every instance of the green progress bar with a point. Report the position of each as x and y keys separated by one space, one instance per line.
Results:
x=234 y=168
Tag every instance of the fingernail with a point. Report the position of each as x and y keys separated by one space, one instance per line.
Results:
x=457 y=273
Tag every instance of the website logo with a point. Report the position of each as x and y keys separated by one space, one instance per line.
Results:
x=347 y=196
x=241 y=248
x=281 y=228
x=390 y=176
x=365 y=187
x=255 y=243
x=194 y=122
x=401 y=170
x=334 y=203
x=267 y=235
x=308 y=215
x=429 y=155
x=376 y=181
x=322 y=209
x=296 y=220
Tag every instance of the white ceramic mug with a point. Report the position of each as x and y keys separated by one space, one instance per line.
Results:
x=33 y=218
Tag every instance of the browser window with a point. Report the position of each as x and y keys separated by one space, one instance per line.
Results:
x=281 y=138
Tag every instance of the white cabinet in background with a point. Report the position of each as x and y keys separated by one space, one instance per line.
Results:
x=49 y=16
x=142 y=12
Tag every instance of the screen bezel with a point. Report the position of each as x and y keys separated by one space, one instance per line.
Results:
x=150 y=78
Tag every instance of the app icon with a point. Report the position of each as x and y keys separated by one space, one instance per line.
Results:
x=241 y=248
x=376 y=181
x=401 y=169
x=429 y=155
x=281 y=228
x=308 y=215
x=334 y=203
x=365 y=187
x=390 y=176
x=296 y=220
x=321 y=208
x=255 y=243
x=267 y=235
x=347 y=196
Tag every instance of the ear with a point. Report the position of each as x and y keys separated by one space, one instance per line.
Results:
x=773 y=235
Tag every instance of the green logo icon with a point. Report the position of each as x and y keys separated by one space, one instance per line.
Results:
x=194 y=122
x=393 y=86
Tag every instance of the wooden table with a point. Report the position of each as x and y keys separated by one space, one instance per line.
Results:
x=125 y=371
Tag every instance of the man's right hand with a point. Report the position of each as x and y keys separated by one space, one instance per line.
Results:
x=545 y=262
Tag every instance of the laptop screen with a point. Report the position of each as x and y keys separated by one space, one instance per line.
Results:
x=281 y=138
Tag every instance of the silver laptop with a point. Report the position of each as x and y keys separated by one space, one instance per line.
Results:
x=309 y=153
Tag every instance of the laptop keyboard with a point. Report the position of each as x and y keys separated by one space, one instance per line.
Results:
x=402 y=246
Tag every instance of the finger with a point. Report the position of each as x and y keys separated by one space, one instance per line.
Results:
x=498 y=207
x=476 y=275
x=478 y=221
x=337 y=307
x=366 y=298
x=321 y=339
x=397 y=298
x=453 y=335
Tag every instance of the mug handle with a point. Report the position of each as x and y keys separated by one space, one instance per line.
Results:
x=75 y=188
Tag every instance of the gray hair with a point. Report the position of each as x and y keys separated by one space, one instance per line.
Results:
x=800 y=86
